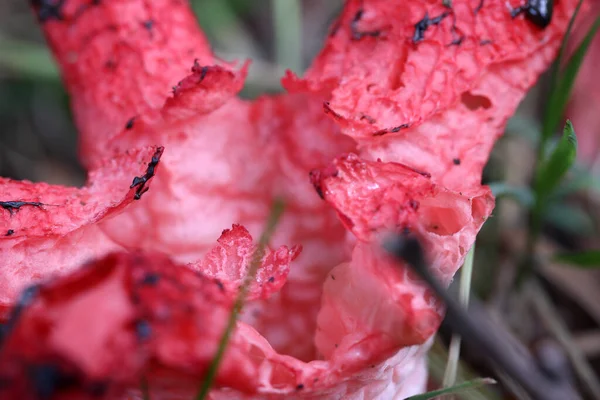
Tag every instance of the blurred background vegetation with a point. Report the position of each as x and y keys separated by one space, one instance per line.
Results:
x=38 y=139
x=38 y=142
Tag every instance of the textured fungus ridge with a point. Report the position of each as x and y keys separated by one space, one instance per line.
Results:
x=389 y=130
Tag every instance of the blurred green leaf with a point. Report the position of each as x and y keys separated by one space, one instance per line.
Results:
x=287 y=24
x=522 y=194
x=582 y=179
x=585 y=259
x=27 y=59
x=563 y=82
x=241 y=7
x=221 y=22
x=569 y=219
x=454 y=389
x=552 y=170
x=524 y=127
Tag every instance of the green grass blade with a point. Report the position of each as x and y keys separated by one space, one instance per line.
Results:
x=561 y=89
x=454 y=389
x=584 y=259
x=552 y=170
x=570 y=219
x=522 y=194
x=436 y=362
x=565 y=42
x=466 y=276
x=275 y=215
x=287 y=22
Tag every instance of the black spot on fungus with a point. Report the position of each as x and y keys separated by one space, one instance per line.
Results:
x=25 y=299
x=271 y=279
x=220 y=285
x=414 y=204
x=148 y=24
x=478 y=8
x=456 y=161
x=485 y=42
x=86 y=6
x=110 y=64
x=457 y=37
x=368 y=118
x=48 y=9
x=395 y=129
x=140 y=181
x=12 y=206
x=457 y=41
x=424 y=24
x=49 y=379
x=27 y=296
x=300 y=387
x=357 y=34
x=130 y=122
x=143 y=330
x=328 y=110
x=418 y=171
x=538 y=12
x=318 y=189
x=320 y=192
x=10 y=232
x=199 y=68
x=332 y=277
x=398 y=128
x=150 y=279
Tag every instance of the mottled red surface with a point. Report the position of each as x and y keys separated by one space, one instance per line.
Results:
x=230 y=260
x=388 y=130
x=60 y=227
x=103 y=325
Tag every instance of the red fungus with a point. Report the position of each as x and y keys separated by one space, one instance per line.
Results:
x=400 y=92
